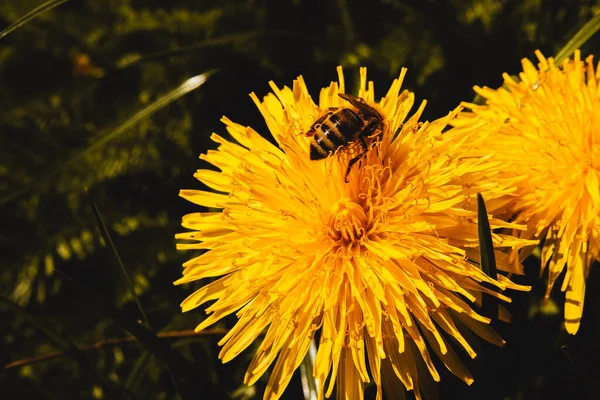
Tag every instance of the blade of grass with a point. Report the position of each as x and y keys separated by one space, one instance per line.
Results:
x=108 y=240
x=440 y=18
x=137 y=373
x=489 y=304
x=189 y=85
x=586 y=32
x=133 y=59
x=191 y=381
x=578 y=39
x=68 y=347
x=47 y=6
x=579 y=366
x=130 y=60
x=348 y=26
x=165 y=335
x=310 y=386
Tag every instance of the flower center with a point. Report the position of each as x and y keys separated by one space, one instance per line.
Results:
x=355 y=220
x=348 y=222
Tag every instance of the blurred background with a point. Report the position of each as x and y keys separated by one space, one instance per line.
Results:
x=94 y=131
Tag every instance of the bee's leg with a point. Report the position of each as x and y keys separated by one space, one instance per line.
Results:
x=377 y=135
x=377 y=142
x=365 y=148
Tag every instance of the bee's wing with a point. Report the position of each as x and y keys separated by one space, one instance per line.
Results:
x=359 y=103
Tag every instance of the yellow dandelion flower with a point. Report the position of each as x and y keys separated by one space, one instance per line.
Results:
x=547 y=131
x=374 y=270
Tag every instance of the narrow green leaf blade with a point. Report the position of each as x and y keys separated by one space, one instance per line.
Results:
x=47 y=6
x=486 y=253
x=189 y=85
x=138 y=371
x=191 y=383
x=108 y=239
x=578 y=39
x=310 y=385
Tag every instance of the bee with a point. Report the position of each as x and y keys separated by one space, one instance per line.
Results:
x=341 y=127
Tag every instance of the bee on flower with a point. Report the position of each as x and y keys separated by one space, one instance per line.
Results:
x=375 y=263
x=340 y=128
x=545 y=127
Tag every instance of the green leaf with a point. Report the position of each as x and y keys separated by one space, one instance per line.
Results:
x=189 y=85
x=139 y=370
x=310 y=386
x=47 y=6
x=130 y=60
x=488 y=259
x=108 y=239
x=578 y=40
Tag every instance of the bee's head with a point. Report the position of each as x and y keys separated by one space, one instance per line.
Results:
x=361 y=105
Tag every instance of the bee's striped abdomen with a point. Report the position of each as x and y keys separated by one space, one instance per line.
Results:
x=333 y=130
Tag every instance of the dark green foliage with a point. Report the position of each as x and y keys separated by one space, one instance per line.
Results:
x=72 y=79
